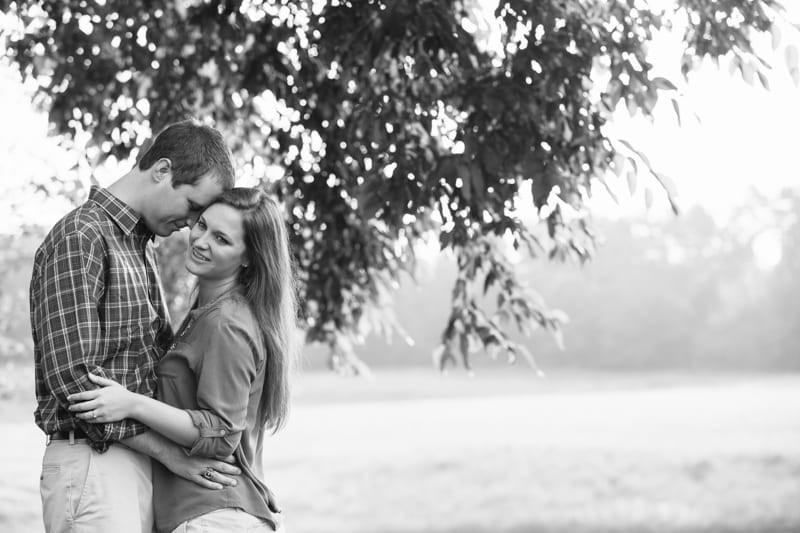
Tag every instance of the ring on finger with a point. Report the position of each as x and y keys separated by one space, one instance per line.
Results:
x=208 y=473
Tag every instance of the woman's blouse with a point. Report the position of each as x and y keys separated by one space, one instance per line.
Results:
x=215 y=371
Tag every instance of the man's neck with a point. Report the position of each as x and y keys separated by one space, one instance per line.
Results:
x=129 y=189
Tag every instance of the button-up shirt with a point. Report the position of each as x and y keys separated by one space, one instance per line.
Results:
x=215 y=371
x=96 y=306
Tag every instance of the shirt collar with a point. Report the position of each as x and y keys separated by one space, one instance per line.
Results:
x=128 y=220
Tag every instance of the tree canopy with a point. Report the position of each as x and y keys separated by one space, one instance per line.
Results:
x=380 y=124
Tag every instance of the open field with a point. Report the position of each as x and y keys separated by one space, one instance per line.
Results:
x=503 y=452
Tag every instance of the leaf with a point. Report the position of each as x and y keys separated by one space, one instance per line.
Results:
x=670 y=188
x=558 y=316
x=776 y=36
x=630 y=102
x=664 y=84
x=619 y=164
x=491 y=277
x=631 y=176
x=610 y=192
x=463 y=347
x=558 y=335
x=748 y=72
x=667 y=183
x=492 y=349
x=519 y=348
x=677 y=109
x=441 y=356
x=641 y=155
x=791 y=57
x=648 y=198
x=734 y=65
x=763 y=79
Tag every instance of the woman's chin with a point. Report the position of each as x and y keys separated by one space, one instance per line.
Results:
x=193 y=268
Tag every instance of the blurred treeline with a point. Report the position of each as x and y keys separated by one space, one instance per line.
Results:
x=688 y=292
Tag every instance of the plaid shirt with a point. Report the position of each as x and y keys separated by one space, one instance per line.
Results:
x=96 y=306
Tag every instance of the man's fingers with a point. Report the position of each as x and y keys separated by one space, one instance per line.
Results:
x=203 y=482
x=225 y=480
x=225 y=468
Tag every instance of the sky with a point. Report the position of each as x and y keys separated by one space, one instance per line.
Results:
x=733 y=136
x=741 y=138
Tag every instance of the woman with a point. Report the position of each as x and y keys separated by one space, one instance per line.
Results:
x=225 y=379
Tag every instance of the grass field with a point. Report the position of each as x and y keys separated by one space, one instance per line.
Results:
x=412 y=451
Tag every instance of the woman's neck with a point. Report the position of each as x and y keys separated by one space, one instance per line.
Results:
x=210 y=290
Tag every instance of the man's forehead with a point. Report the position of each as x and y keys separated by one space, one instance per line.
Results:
x=205 y=190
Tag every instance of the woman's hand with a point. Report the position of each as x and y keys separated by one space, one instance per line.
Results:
x=110 y=402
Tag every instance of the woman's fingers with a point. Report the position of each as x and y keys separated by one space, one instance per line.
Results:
x=91 y=416
x=83 y=396
x=103 y=382
x=84 y=406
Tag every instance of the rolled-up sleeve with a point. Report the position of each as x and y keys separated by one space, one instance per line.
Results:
x=224 y=375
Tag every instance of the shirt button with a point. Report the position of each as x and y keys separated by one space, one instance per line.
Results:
x=222 y=431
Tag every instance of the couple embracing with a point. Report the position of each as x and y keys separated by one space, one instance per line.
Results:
x=149 y=430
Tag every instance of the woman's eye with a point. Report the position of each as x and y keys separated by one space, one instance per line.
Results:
x=222 y=240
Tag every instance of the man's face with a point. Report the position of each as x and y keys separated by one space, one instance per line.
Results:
x=173 y=208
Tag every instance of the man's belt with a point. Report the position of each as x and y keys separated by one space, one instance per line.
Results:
x=65 y=435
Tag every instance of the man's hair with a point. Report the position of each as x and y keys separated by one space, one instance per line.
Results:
x=194 y=150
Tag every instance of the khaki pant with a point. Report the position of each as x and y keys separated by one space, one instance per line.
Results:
x=226 y=521
x=84 y=491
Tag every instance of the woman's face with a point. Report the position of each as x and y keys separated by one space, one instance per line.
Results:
x=216 y=243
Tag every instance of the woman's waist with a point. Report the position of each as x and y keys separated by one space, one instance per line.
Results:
x=177 y=499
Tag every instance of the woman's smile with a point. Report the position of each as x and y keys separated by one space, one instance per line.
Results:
x=197 y=256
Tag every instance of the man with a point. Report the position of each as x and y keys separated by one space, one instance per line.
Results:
x=97 y=306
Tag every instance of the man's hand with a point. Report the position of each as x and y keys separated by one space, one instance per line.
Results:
x=208 y=473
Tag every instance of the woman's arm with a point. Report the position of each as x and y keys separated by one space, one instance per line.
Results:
x=224 y=376
x=112 y=402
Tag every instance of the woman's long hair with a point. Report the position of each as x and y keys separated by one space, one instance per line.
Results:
x=269 y=287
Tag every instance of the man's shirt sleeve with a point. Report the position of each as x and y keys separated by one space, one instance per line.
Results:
x=71 y=285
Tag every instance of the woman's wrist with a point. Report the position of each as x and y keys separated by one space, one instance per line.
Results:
x=136 y=406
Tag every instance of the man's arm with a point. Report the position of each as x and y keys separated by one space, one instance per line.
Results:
x=190 y=467
x=175 y=459
x=69 y=286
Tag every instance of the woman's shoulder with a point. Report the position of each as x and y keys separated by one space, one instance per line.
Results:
x=233 y=310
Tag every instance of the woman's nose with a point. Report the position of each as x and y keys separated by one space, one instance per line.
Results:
x=199 y=240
